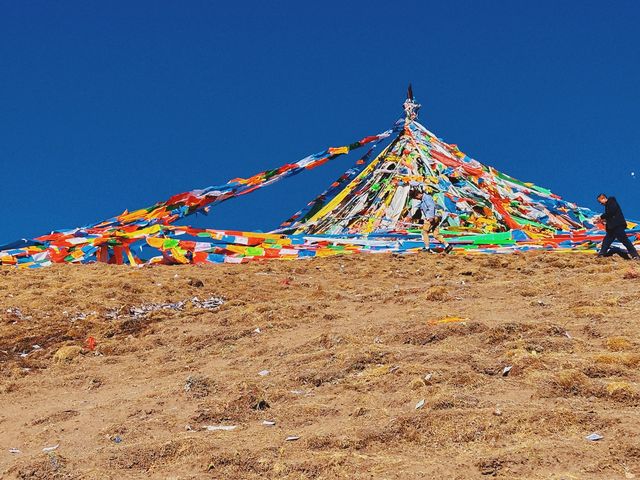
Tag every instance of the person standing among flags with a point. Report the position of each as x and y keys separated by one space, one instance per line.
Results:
x=425 y=212
x=615 y=225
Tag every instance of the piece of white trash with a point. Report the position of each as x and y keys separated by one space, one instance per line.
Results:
x=264 y=373
x=506 y=370
x=224 y=428
x=594 y=437
x=14 y=450
x=292 y=438
x=420 y=404
x=268 y=423
x=50 y=449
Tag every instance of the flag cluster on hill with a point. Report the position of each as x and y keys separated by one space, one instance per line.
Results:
x=366 y=210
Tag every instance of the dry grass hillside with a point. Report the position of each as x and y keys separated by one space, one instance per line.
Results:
x=370 y=367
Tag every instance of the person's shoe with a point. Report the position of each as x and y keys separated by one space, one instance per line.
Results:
x=448 y=248
x=427 y=250
x=635 y=258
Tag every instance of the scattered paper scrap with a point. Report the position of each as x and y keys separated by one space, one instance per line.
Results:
x=147 y=308
x=91 y=343
x=448 y=320
x=506 y=370
x=420 y=404
x=268 y=423
x=264 y=373
x=594 y=437
x=51 y=449
x=14 y=450
x=292 y=438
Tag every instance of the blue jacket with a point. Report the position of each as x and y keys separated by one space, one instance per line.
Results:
x=427 y=207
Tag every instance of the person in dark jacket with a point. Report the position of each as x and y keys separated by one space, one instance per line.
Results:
x=615 y=225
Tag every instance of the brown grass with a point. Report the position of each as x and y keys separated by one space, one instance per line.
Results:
x=618 y=344
x=352 y=344
x=436 y=293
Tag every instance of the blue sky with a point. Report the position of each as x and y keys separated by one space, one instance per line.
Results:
x=112 y=105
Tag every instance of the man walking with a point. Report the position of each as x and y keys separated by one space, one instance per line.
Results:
x=426 y=212
x=615 y=225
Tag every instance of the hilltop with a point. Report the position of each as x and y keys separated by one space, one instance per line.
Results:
x=384 y=367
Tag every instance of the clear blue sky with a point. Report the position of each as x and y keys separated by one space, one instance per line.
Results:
x=113 y=105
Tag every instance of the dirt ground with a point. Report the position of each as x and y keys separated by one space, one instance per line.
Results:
x=379 y=367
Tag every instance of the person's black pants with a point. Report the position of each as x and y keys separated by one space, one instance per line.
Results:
x=616 y=251
x=620 y=235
